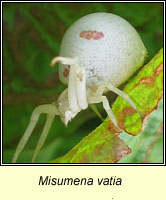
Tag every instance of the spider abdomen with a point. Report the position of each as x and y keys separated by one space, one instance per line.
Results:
x=107 y=46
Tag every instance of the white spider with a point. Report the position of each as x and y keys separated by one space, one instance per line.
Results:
x=98 y=53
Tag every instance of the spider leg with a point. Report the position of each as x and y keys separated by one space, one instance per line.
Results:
x=43 y=136
x=33 y=121
x=81 y=87
x=72 y=89
x=63 y=60
x=94 y=108
x=77 y=83
x=72 y=93
x=104 y=100
x=25 y=137
x=101 y=89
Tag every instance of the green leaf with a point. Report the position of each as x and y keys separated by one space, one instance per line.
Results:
x=146 y=90
x=103 y=145
x=147 y=147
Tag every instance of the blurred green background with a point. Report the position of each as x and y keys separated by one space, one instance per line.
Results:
x=32 y=34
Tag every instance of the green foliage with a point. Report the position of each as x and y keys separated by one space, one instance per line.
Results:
x=146 y=90
x=32 y=33
x=147 y=147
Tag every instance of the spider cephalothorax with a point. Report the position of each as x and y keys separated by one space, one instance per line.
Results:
x=98 y=53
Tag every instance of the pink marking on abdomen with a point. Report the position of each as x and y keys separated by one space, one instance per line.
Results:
x=66 y=71
x=94 y=35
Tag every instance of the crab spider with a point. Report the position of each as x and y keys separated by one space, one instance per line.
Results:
x=72 y=100
x=91 y=62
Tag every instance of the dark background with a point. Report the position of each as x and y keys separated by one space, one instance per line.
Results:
x=32 y=33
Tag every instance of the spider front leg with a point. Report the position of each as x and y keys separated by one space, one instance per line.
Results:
x=120 y=93
x=76 y=85
x=44 y=134
x=51 y=111
x=99 y=98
